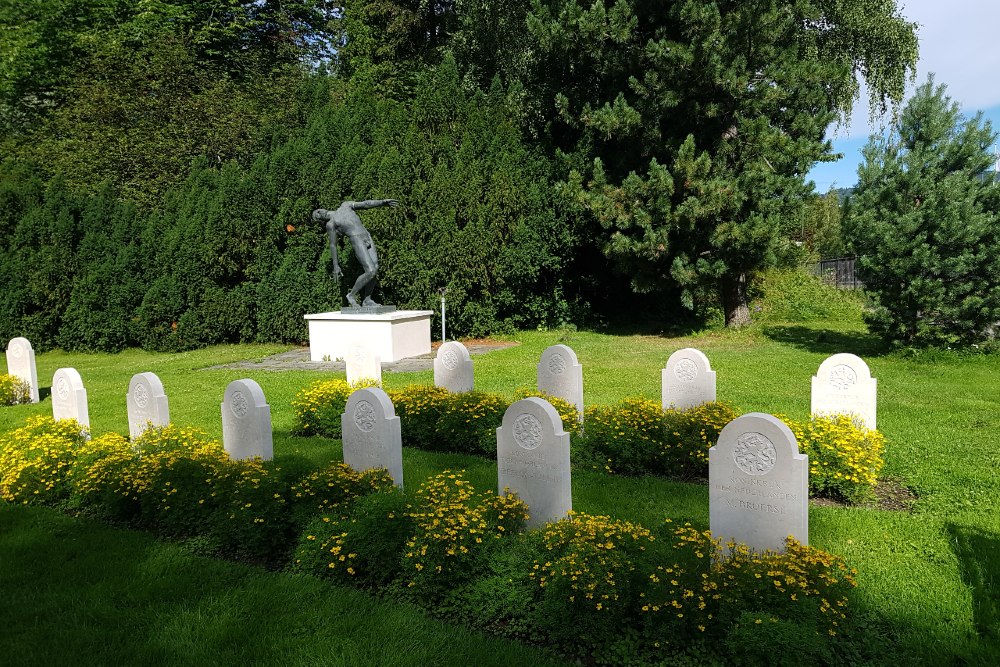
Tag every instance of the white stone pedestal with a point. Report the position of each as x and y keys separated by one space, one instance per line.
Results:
x=389 y=336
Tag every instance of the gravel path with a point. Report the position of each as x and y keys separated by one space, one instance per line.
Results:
x=298 y=360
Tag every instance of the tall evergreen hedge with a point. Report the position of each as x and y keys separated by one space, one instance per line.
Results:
x=231 y=253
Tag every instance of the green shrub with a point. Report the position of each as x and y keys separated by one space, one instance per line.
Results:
x=324 y=491
x=637 y=437
x=319 y=406
x=453 y=528
x=469 y=422
x=36 y=459
x=845 y=458
x=363 y=546
x=419 y=408
x=588 y=575
x=14 y=390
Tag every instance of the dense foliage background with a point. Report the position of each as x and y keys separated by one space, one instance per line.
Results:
x=554 y=161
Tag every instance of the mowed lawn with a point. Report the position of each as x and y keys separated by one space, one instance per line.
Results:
x=929 y=580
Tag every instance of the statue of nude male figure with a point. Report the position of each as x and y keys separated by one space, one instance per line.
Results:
x=345 y=221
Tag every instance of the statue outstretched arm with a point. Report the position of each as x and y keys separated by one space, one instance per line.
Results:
x=373 y=203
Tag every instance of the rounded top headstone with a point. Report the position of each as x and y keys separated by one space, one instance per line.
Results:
x=557 y=359
x=144 y=386
x=65 y=381
x=530 y=420
x=242 y=396
x=452 y=354
x=687 y=364
x=843 y=371
x=19 y=347
x=367 y=406
x=756 y=441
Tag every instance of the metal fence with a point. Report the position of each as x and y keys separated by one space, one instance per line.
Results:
x=839 y=272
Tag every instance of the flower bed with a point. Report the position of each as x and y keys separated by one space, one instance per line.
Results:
x=13 y=390
x=608 y=591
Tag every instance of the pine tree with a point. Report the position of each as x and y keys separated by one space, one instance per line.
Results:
x=924 y=222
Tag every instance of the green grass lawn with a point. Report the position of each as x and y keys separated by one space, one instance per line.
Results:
x=929 y=581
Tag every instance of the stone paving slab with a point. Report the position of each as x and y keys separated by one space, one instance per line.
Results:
x=298 y=360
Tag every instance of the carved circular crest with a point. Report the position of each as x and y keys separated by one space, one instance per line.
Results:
x=62 y=388
x=449 y=359
x=16 y=350
x=358 y=353
x=686 y=370
x=527 y=431
x=239 y=404
x=843 y=377
x=140 y=394
x=557 y=364
x=754 y=454
x=364 y=416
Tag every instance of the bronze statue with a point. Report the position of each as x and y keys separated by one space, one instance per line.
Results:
x=345 y=221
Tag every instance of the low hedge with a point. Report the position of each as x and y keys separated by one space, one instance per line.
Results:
x=601 y=590
x=431 y=418
x=635 y=436
x=13 y=390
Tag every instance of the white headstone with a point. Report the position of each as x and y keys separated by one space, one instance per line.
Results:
x=147 y=404
x=362 y=365
x=844 y=385
x=453 y=368
x=21 y=363
x=371 y=433
x=533 y=460
x=69 y=398
x=246 y=421
x=688 y=380
x=561 y=375
x=758 y=484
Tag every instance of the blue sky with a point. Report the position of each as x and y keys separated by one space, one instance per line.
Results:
x=960 y=44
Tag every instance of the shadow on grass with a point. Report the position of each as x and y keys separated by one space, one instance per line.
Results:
x=978 y=555
x=826 y=341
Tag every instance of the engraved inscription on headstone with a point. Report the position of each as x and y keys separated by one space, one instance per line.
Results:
x=21 y=364
x=69 y=398
x=371 y=433
x=533 y=460
x=453 y=368
x=758 y=484
x=561 y=375
x=363 y=365
x=688 y=380
x=246 y=421
x=147 y=404
x=844 y=385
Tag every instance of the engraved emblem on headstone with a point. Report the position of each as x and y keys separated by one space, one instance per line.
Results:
x=239 y=404
x=754 y=453
x=359 y=354
x=527 y=431
x=686 y=370
x=17 y=350
x=141 y=395
x=62 y=388
x=843 y=377
x=450 y=360
x=364 y=416
x=557 y=364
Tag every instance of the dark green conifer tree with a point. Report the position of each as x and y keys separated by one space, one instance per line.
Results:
x=925 y=222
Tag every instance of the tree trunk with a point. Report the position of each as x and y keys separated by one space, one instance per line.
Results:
x=734 y=300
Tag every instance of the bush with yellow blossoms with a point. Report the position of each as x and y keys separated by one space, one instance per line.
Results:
x=845 y=458
x=588 y=572
x=13 y=390
x=361 y=546
x=319 y=406
x=432 y=418
x=453 y=527
x=36 y=460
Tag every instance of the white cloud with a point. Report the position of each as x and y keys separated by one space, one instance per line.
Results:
x=960 y=44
